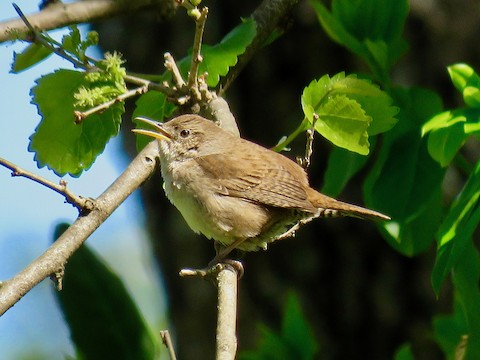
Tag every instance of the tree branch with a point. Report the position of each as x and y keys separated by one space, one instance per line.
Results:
x=268 y=17
x=59 y=15
x=53 y=260
x=226 y=344
x=81 y=203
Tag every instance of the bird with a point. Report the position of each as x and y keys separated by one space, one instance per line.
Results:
x=234 y=191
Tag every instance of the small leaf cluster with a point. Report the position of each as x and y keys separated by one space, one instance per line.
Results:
x=103 y=83
x=371 y=29
x=448 y=130
x=405 y=178
x=73 y=43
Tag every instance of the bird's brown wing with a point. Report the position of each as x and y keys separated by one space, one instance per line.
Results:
x=259 y=177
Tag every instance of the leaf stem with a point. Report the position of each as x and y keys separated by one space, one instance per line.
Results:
x=301 y=128
x=81 y=115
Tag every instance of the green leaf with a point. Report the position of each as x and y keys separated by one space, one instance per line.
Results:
x=405 y=181
x=59 y=143
x=346 y=107
x=33 y=54
x=371 y=29
x=104 y=321
x=335 y=28
x=342 y=165
x=467 y=81
x=296 y=330
x=443 y=144
x=344 y=123
x=296 y=340
x=153 y=105
x=448 y=131
x=372 y=19
x=457 y=228
x=449 y=329
x=404 y=353
x=466 y=278
x=218 y=59
x=73 y=43
x=463 y=75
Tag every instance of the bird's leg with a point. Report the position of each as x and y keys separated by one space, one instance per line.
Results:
x=291 y=231
x=222 y=251
x=218 y=262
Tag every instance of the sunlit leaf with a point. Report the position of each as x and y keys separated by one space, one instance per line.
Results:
x=457 y=229
x=349 y=110
x=33 y=54
x=219 y=58
x=59 y=143
x=448 y=131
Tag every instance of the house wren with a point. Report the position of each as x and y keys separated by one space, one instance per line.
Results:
x=238 y=193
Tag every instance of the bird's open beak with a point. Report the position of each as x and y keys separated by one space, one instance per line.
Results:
x=159 y=132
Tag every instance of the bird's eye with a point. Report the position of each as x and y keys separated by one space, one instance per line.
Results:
x=184 y=133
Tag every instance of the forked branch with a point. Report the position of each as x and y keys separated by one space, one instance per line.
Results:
x=55 y=257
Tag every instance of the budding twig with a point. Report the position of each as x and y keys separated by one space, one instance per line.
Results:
x=151 y=85
x=196 y=56
x=81 y=115
x=171 y=66
x=84 y=205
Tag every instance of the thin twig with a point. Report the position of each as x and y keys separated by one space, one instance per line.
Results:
x=40 y=39
x=268 y=16
x=196 y=55
x=151 y=85
x=81 y=203
x=171 y=66
x=139 y=170
x=81 y=115
x=167 y=341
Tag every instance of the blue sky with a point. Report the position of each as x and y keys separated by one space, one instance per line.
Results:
x=29 y=212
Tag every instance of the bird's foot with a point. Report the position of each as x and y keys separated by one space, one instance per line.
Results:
x=214 y=267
